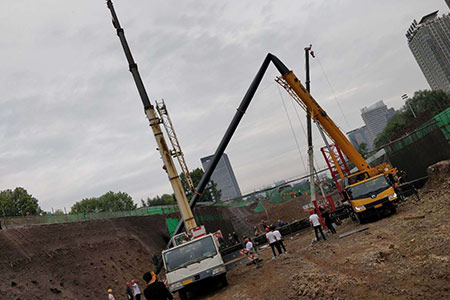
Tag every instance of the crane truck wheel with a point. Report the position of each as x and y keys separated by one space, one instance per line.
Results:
x=224 y=280
x=361 y=219
x=183 y=294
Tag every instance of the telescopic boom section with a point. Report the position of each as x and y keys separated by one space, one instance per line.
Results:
x=318 y=114
x=183 y=204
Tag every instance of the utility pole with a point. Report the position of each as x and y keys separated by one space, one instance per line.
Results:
x=309 y=128
x=406 y=98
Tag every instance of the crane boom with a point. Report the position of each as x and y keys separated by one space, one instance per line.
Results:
x=295 y=88
x=180 y=196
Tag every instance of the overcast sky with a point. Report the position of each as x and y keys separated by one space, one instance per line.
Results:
x=72 y=124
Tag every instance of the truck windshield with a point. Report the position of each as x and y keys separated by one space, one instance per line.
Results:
x=189 y=253
x=368 y=188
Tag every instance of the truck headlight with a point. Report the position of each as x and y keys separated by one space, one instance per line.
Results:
x=218 y=270
x=176 y=285
x=393 y=196
x=359 y=208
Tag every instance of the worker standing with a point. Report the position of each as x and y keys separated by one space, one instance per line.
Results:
x=136 y=290
x=272 y=242
x=129 y=292
x=251 y=252
x=315 y=223
x=236 y=238
x=155 y=289
x=110 y=295
x=328 y=221
x=279 y=239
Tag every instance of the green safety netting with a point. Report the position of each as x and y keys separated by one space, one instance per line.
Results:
x=171 y=225
x=67 y=218
x=276 y=196
x=259 y=208
x=199 y=218
x=441 y=121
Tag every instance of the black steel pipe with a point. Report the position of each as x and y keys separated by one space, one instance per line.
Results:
x=232 y=127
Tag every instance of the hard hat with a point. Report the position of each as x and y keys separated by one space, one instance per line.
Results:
x=133 y=281
x=311 y=211
x=246 y=240
x=110 y=291
x=267 y=229
x=128 y=284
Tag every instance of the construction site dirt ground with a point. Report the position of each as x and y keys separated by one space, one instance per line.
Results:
x=403 y=256
x=396 y=258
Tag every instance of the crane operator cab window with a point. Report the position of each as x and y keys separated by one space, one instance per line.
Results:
x=369 y=188
x=356 y=178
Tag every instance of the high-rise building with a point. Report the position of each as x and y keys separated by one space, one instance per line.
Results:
x=376 y=117
x=360 y=135
x=429 y=41
x=223 y=176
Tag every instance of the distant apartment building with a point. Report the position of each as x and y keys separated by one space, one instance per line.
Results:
x=429 y=41
x=376 y=117
x=223 y=176
x=360 y=135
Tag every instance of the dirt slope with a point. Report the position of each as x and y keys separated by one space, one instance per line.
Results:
x=77 y=260
x=396 y=258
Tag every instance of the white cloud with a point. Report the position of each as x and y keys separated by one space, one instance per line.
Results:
x=72 y=124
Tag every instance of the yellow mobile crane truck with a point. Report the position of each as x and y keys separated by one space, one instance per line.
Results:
x=370 y=189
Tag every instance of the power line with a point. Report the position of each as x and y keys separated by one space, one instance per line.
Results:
x=292 y=128
x=301 y=124
x=332 y=90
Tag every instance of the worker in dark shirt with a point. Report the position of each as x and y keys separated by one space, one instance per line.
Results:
x=329 y=221
x=129 y=292
x=155 y=289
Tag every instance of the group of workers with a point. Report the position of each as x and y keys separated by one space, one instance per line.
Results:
x=315 y=222
x=154 y=290
x=275 y=240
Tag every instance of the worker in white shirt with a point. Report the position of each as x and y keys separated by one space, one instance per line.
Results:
x=315 y=223
x=136 y=290
x=272 y=242
x=251 y=252
x=110 y=295
x=279 y=239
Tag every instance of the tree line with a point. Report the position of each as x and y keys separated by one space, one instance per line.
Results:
x=211 y=193
x=425 y=104
x=19 y=202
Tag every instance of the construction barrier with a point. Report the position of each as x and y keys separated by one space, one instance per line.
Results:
x=12 y=222
x=417 y=151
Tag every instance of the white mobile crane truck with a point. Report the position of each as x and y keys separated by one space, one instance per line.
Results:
x=193 y=255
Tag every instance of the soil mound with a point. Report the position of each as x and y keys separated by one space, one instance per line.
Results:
x=438 y=176
x=78 y=260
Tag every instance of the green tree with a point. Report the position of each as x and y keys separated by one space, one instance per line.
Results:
x=362 y=149
x=425 y=105
x=165 y=199
x=18 y=202
x=108 y=202
x=211 y=193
